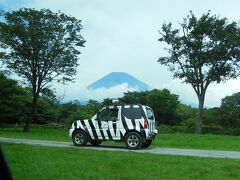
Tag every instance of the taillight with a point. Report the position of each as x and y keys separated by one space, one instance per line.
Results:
x=145 y=124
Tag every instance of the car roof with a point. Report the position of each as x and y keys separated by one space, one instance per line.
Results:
x=126 y=106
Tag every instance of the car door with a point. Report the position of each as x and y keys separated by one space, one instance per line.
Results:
x=113 y=121
x=107 y=119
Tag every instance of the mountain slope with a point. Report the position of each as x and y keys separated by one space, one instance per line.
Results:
x=117 y=78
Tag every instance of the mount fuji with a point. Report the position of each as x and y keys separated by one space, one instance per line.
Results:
x=117 y=78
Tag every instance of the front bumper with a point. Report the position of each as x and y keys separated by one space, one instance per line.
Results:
x=71 y=132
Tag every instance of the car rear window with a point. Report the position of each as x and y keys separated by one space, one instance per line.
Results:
x=132 y=113
x=149 y=114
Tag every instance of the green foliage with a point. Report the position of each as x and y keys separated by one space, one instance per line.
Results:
x=47 y=106
x=80 y=113
x=164 y=105
x=65 y=110
x=47 y=111
x=185 y=112
x=14 y=102
x=188 y=125
x=134 y=98
x=230 y=111
x=107 y=102
x=212 y=117
x=95 y=106
x=213 y=129
x=73 y=111
x=231 y=102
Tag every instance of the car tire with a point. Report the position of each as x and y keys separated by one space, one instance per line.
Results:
x=133 y=140
x=79 y=138
x=147 y=144
x=95 y=142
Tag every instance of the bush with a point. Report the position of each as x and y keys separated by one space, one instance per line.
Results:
x=233 y=131
x=189 y=125
x=213 y=129
x=165 y=129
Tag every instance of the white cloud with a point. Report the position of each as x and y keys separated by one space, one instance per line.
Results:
x=98 y=94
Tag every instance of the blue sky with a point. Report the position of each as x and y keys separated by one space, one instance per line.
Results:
x=123 y=36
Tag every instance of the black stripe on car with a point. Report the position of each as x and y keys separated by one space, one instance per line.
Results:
x=109 y=134
x=93 y=130
x=124 y=123
x=85 y=127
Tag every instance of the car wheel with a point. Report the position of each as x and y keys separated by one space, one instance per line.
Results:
x=133 y=140
x=147 y=144
x=79 y=138
x=95 y=142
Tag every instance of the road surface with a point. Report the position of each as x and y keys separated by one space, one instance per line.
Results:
x=151 y=150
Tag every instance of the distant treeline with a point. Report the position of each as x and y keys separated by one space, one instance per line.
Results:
x=170 y=114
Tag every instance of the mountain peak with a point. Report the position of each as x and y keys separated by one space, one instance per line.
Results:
x=118 y=78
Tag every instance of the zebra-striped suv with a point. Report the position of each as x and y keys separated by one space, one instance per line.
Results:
x=133 y=124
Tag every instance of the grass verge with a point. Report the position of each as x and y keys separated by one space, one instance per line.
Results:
x=36 y=162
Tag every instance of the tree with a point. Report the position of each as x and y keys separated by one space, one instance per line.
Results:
x=40 y=46
x=107 y=102
x=94 y=105
x=134 y=97
x=14 y=101
x=66 y=109
x=230 y=111
x=48 y=107
x=204 y=51
x=164 y=105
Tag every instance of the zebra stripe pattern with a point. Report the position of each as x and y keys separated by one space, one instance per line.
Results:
x=114 y=130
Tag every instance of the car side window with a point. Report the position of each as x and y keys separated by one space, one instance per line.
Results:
x=108 y=115
x=132 y=113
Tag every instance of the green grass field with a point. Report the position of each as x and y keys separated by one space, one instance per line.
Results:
x=174 y=140
x=45 y=132
x=36 y=162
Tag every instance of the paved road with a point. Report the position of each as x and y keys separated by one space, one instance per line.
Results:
x=152 y=150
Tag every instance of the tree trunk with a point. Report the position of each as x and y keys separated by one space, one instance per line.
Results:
x=27 y=124
x=33 y=116
x=199 y=115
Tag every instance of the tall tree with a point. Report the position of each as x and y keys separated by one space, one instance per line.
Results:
x=203 y=51
x=230 y=111
x=40 y=46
